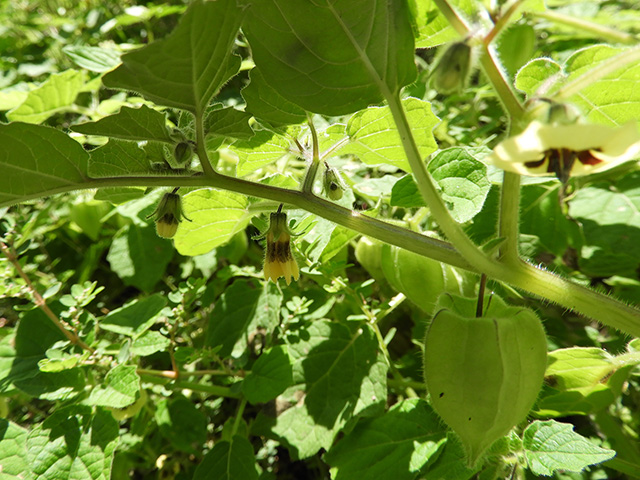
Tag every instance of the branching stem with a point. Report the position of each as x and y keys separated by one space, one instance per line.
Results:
x=39 y=300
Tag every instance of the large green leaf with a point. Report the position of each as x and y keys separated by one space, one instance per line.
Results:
x=71 y=444
x=374 y=138
x=241 y=310
x=610 y=220
x=182 y=424
x=215 y=216
x=332 y=57
x=228 y=461
x=270 y=375
x=613 y=99
x=341 y=374
x=55 y=95
x=395 y=446
x=118 y=158
x=37 y=161
x=264 y=101
x=186 y=69
x=137 y=124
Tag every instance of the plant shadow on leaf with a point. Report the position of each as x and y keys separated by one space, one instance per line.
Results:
x=337 y=374
x=29 y=350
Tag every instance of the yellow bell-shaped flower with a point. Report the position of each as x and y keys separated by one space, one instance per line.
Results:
x=278 y=260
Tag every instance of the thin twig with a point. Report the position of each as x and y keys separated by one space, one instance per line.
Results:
x=39 y=300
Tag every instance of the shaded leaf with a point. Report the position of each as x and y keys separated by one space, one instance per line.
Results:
x=187 y=68
x=136 y=124
x=139 y=256
x=394 y=446
x=332 y=57
x=228 y=461
x=270 y=375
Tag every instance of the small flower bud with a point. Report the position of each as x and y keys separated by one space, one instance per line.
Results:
x=182 y=152
x=332 y=184
x=451 y=71
x=168 y=215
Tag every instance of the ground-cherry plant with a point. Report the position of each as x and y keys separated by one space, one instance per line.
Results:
x=328 y=239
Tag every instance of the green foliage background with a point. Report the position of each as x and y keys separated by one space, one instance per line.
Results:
x=191 y=365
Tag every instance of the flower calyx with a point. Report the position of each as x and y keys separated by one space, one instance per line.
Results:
x=168 y=214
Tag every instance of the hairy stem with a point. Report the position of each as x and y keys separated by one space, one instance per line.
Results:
x=582 y=25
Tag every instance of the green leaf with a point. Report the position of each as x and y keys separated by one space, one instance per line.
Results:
x=394 y=446
x=182 y=424
x=612 y=100
x=215 y=216
x=121 y=389
x=119 y=195
x=262 y=149
x=118 y=159
x=374 y=138
x=341 y=374
x=232 y=315
x=135 y=318
x=228 y=122
x=339 y=239
x=552 y=446
x=332 y=57
x=38 y=161
x=139 y=256
x=228 y=461
x=13 y=451
x=268 y=105
x=77 y=447
x=462 y=180
x=149 y=343
x=579 y=367
x=136 y=124
x=270 y=375
x=610 y=221
x=94 y=59
x=55 y=95
x=187 y=68
x=535 y=74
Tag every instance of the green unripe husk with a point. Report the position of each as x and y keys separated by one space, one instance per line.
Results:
x=451 y=72
x=421 y=279
x=484 y=374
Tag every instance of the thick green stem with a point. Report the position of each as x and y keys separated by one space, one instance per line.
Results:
x=312 y=171
x=216 y=390
x=509 y=215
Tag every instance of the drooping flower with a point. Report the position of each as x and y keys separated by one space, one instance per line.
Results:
x=278 y=260
x=168 y=215
x=565 y=150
